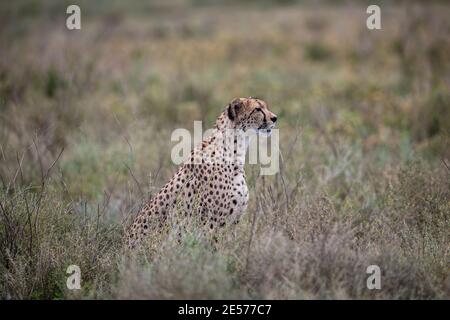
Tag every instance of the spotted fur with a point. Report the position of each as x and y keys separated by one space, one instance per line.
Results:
x=210 y=185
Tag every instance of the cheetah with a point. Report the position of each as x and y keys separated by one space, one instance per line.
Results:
x=210 y=184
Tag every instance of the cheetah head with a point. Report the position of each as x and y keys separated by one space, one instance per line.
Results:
x=251 y=114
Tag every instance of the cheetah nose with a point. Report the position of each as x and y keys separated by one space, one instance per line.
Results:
x=274 y=119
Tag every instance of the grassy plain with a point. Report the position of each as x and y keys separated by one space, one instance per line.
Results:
x=364 y=119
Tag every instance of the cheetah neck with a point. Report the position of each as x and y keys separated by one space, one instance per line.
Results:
x=233 y=141
x=223 y=122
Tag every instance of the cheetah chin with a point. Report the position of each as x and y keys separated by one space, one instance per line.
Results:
x=265 y=132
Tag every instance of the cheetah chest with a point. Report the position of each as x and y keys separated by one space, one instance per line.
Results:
x=239 y=194
x=226 y=198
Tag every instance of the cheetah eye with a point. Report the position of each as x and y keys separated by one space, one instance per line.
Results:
x=258 y=109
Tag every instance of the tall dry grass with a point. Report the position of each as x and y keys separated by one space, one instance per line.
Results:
x=85 y=124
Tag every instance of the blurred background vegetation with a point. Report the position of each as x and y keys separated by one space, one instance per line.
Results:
x=85 y=123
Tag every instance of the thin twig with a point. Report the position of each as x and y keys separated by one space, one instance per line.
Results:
x=3 y=181
x=135 y=180
x=283 y=182
x=445 y=164
x=41 y=193
x=292 y=145
x=252 y=231
x=41 y=167
x=3 y=153
x=54 y=162
x=5 y=214
x=13 y=180
x=27 y=208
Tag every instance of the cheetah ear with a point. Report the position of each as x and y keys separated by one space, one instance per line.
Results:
x=234 y=108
